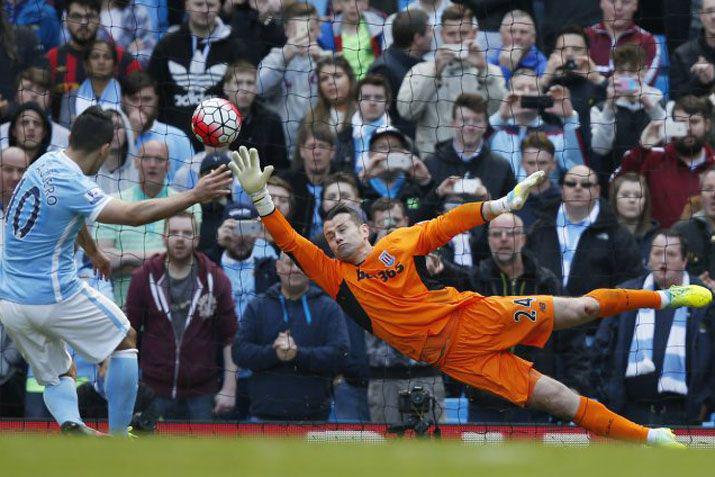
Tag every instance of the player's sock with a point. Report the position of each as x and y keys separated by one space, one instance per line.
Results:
x=62 y=402
x=120 y=386
x=595 y=417
x=612 y=301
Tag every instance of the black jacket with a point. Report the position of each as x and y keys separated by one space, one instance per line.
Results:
x=613 y=344
x=607 y=253
x=257 y=36
x=701 y=252
x=683 y=82
x=28 y=52
x=299 y=389
x=393 y=64
x=584 y=94
x=263 y=130
x=184 y=83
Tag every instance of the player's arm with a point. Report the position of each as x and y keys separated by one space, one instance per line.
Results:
x=213 y=185
x=314 y=263
x=100 y=262
x=437 y=232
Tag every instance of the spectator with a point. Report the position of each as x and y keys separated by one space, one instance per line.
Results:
x=13 y=163
x=129 y=25
x=630 y=199
x=293 y=339
x=512 y=271
x=618 y=28
x=66 y=64
x=33 y=85
x=513 y=122
x=413 y=35
x=569 y=65
x=37 y=15
x=357 y=33
x=336 y=95
x=373 y=97
x=698 y=231
x=432 y=8
x=19 y=50
x=128 y=247
x=427 y=94
x=311 y=165
x=390 y=371
x=181 y=306
x=617 y=123
x=672 y=171
x=119 y=170
x=557 y=13
x=286 y=77
x=261 y=128
x=30 y=129
x=692 y=66
x=490 y=15
x=256 y=24
x=394 y=172
x=282 y=194
x=467 y=156
x=100 y=87
x=518 y=50
x=582 y=242
x=656 y=366
x=190 y=62
x=140 y=101
x=537 y=154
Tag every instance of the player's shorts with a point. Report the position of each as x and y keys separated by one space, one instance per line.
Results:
x=475 y=347
x=88 y=321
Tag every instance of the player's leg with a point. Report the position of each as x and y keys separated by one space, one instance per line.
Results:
x=604 y=302
x=121 y=383
x=549 y=395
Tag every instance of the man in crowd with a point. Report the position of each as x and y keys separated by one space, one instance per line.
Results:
x=293 y=339
x=656 y=366
x=180 y=303
x=518 y=50
x=692 y=65
x=537 y=154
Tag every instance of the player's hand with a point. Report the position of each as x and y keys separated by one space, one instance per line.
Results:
x=101 y=264
x=213 y=185
x=246 y=166
x=224 y=402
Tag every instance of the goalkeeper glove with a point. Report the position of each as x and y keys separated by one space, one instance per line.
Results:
x=515 y=199
x=246 y=166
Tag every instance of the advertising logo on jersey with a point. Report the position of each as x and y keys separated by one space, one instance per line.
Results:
x=387 y=259
x=94 y=195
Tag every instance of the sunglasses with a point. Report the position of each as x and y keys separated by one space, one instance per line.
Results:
x=584 y=184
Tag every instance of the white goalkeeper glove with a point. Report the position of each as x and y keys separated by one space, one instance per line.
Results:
x=246 y=166
x=515 y=199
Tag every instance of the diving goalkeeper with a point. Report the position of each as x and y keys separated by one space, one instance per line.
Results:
x=386 y=289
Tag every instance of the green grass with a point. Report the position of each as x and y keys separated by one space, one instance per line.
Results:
x=41 y=456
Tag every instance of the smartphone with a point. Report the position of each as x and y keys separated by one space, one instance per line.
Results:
x=398 y=161
x=537 y=102
x=627 y=85
x=675 y=128
x=467 y=186
x=460 y=50
x=247 y=227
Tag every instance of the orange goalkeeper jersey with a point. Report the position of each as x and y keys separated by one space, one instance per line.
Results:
x=390 y=293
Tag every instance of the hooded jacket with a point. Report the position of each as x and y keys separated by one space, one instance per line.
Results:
x=189 y=71
x=682 y=81
x=189 y=366
x=298 y=389
x=46 y=144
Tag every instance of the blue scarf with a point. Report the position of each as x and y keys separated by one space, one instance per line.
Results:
x=111 y=97
x=384 y=190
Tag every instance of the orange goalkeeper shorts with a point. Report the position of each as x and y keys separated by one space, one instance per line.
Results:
x=475 y=347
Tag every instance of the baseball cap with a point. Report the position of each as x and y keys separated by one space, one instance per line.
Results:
x=391 y=131
x=212 y=161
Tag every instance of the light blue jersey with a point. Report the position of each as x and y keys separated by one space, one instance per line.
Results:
x=45 y=214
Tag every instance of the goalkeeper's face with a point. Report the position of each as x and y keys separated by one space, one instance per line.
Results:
x=347 y=239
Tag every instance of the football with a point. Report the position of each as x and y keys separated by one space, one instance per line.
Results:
x=216 y=122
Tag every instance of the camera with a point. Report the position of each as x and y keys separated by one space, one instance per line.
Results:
x=419 y=407
x=569 y=66
x=416 y=400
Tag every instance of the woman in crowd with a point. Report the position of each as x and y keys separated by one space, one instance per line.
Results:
x=31 y=130
x=119 y=170
x=630 y=199
x=336 y=93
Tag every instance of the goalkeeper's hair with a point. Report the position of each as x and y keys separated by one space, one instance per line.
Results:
x=91 y=130
x=344 y=208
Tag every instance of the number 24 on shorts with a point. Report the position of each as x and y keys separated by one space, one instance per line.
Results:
x=519 y=314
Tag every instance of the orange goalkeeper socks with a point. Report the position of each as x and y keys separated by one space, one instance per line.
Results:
x=614 y=301
x=595 y=417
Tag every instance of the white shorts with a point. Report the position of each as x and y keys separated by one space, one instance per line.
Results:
x=88 y=321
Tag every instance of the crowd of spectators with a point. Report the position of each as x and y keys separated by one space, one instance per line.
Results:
x=401 y=109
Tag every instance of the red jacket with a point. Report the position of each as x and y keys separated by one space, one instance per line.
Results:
x=601 y=46
x=670 y=180
x=190 y=367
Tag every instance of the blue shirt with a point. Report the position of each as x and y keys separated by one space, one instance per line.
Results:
x=46 y=212
x=532 y=60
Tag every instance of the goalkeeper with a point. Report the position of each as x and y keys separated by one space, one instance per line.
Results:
x=386 y=289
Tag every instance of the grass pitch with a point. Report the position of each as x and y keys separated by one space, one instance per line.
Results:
x=41 y=456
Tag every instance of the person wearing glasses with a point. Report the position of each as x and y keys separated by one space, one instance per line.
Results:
x=581 y=241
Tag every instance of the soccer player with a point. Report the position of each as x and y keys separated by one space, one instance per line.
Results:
x=386 y=289
x=43 y=304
